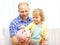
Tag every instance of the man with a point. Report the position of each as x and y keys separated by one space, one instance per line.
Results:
x=22 y=19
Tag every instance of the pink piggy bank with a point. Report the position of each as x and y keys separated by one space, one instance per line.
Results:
x=23 y=35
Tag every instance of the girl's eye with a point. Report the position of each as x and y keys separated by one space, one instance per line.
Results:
x=36 y=17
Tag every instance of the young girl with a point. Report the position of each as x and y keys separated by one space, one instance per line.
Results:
x=38 y=28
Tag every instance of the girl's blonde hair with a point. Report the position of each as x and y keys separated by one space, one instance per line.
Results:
x=40 y=11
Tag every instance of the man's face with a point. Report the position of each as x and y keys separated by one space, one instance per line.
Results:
x=24 y=11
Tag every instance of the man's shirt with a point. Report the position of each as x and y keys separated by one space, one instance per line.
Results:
x=16 y=23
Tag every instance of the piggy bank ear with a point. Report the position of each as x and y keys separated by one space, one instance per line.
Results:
x=30 y=31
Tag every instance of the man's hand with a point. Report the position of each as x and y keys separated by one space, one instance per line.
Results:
x=14 y=40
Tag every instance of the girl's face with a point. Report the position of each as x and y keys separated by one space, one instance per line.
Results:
x=37 y=18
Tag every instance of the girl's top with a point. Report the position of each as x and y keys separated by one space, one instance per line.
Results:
x=37 y=31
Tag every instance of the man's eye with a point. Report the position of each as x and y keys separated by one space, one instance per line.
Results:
x=35 y=17
x=22 y=11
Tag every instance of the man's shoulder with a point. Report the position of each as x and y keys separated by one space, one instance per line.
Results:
x=15 y=20
x=30 y=19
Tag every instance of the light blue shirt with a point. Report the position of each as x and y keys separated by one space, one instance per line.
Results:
x=37 y=33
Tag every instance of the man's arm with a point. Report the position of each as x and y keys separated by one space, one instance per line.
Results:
x=13 y=30
x=14 y=40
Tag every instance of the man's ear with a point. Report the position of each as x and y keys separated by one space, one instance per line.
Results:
x=18 y=10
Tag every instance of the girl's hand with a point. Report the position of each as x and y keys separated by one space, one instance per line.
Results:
x=44 y=37
x=44 y=43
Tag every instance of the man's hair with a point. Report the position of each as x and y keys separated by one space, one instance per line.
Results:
x=23 y=3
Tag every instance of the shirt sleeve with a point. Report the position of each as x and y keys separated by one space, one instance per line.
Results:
x=44 y=31
x=30 y=27
x=12 y=29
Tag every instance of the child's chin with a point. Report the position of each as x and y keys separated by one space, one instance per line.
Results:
x=22 y=41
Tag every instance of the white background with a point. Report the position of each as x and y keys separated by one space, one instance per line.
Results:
x=51 y=8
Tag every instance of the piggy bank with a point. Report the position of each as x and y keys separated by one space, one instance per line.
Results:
x=23 y=35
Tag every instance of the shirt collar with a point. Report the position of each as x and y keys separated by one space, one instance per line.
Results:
x=20 y=19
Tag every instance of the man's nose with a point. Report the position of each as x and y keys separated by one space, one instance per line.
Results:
x=24 y=13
